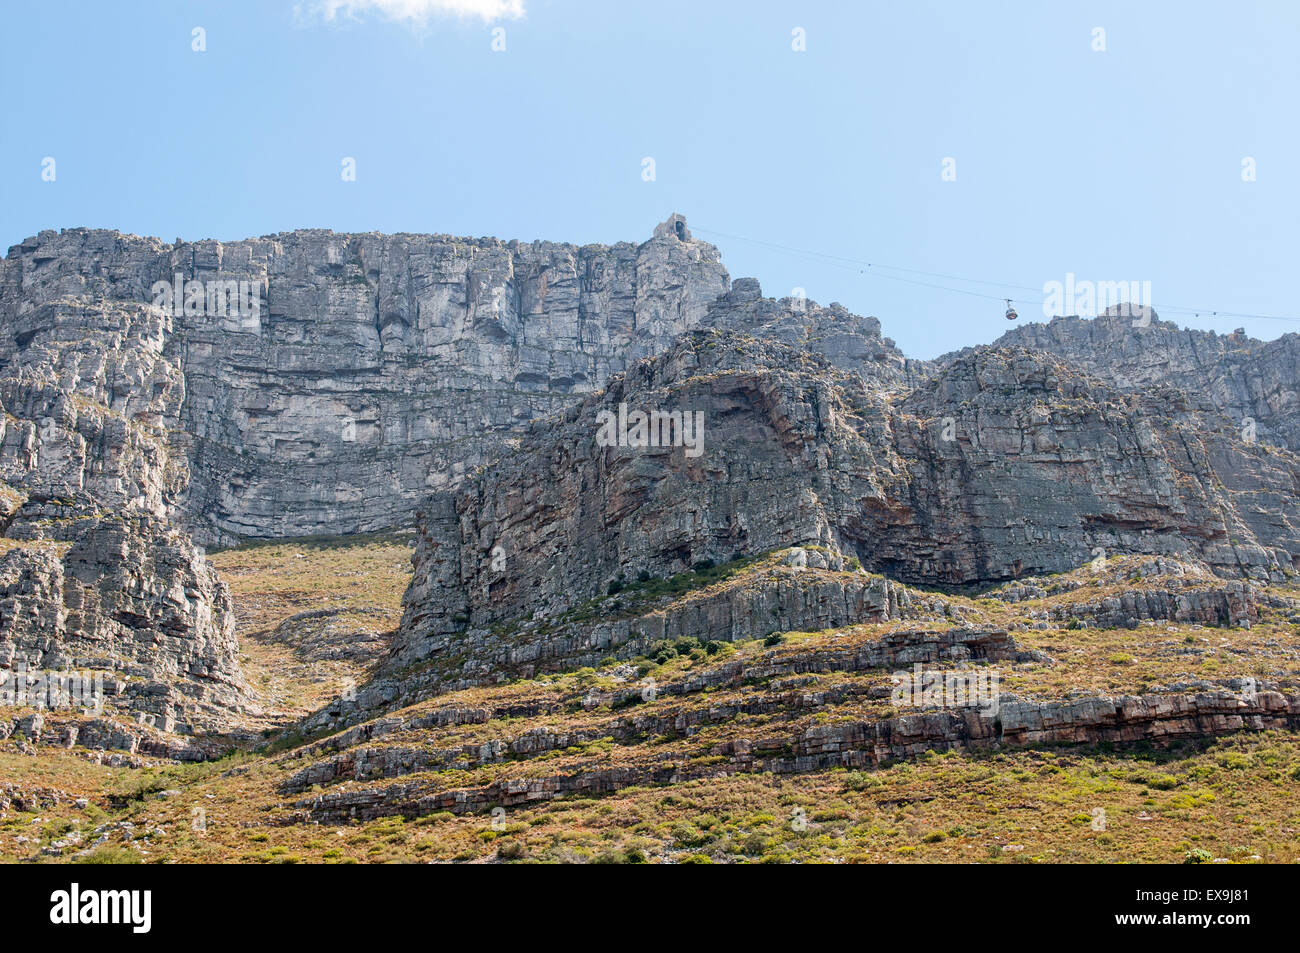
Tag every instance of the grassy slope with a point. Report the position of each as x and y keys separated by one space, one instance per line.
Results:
x=1233 y=797
x=363 y=577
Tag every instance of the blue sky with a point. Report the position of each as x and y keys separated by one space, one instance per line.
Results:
x=1122 y=164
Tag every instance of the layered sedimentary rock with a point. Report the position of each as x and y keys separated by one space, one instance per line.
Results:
x=1251 y=383
x=1038 y=467
x=112 y=742
x=315 y=383
x=133 y=601
x=798 y=590
x=370 y=369
x=1139 y=590
x=1150 y=718
x=95 y=575
x=385 y=748
x=319 y=383
x=999 y=463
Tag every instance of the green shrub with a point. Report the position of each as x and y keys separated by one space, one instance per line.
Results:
x=513 y=850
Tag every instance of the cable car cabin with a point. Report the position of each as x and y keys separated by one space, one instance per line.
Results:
x=1011 y=312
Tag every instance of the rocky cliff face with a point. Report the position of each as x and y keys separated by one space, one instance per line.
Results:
x=305 y=383
x=372 y=369
x=1244 y=380
x=95 y=574
x=135 y=602
x=315 y=383
x=998 y=463
x=1022 y=461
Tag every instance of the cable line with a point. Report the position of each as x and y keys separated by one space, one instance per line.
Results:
x=878 y=269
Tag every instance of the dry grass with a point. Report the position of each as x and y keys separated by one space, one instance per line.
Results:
x=1232 y=797
x=361 y=576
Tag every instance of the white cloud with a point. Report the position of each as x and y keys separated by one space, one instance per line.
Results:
x=417 y=12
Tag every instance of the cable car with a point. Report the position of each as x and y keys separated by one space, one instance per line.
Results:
x=1011 y=312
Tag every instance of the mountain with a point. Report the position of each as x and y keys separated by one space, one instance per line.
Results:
x=1235 y=376
x=310 y=384
x=315 y=384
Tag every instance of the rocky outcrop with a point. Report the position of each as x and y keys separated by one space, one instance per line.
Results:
x=1137 y=590
x=319 y=635
x=1001 y=463
x=1045 y=469
x=774 y=599
x=770 y=600
x=106 y=740
x=367 y=370
x=136 y=603
x=90 y=401
x=95 y=575
x=1152 y=718
x=1246 y=381
x=316 y=383
x=848 y=341
x=372 y=369
x=303 y=383
x=555 y=522
x=376 y=749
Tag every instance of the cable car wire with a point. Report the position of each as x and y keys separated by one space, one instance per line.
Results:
x=878 y=271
